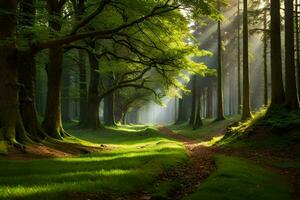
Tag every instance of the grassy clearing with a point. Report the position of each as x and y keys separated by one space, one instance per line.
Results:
x=207 y=132
x=238 y=179
x=138 y=155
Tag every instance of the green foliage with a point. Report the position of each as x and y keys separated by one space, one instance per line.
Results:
x=239 y=179
x=135 y=156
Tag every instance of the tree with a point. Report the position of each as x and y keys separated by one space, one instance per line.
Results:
x=220 y=109
x=277 y=96
x=194 y=101
x=291 y=100
x=198 y=121
x=246 y=114
x=239 y=58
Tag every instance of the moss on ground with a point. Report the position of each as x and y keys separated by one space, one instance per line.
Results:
x=239 y=179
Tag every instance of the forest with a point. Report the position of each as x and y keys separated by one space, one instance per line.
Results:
x=149 y=99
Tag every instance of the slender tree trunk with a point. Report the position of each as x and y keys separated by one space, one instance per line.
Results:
x=92 y=119
x=11 y=125
x=193 y=110
x=66 y=115
x=297 y=45
x=83 y=87
x=220 y=109
x=239 y=60
x=277 y=96
x=291 y=100
x=209 y=102
x=246 y=114
x=265 y=60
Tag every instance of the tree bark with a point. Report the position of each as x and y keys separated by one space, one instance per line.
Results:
x=220 y=109
x=52 y=123
x=297 y=45
x=27 y=75
x=12 y=129
x=198 y=121
x=109 y=109
x=277 y=96
x=266 y=95
x=193 y=110
x=83 y=87
x=92 y=119
x=246 y=114
x=291 y=100
x=239 y=61
x=181 y=111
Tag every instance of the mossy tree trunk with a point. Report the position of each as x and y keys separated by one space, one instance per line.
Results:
x=27 y=75
x=52 y=123
x=12 y=129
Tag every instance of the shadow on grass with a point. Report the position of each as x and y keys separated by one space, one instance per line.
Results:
x=130 y=166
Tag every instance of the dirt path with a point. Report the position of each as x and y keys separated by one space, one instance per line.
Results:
x=190 y=174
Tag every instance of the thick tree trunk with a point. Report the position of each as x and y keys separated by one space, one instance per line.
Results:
x=92 y=119
x=291 y=100
x=277 y=96
x=220 y=109
x=52 y=123
x=27 y=75
x=246 y=114
x=194 y=99
x=11 y=125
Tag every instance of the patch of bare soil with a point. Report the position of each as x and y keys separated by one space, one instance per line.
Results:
x=40 y=151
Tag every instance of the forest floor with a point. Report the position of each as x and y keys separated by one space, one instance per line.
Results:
x=154 y=163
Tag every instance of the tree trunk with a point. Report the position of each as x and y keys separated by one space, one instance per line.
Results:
x=12 y=129
x=277 y=96
x=209 y=108
x=198 y=121
x=246 y=114
x=181 y=111
x=291 y=100
x=92 y=119
x=27 y=76
x=266 y=98
x=109 y=109
x=193 y=110
x=297 y=45
x=66 y=115
x=83 y=87
x=220 y=109
x=239 y=61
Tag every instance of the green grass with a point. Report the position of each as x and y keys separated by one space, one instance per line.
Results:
x=3 y=149
x=207 y=132
x=136 y=157
x=239 y=179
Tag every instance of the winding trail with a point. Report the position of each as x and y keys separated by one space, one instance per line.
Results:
x=192 y=173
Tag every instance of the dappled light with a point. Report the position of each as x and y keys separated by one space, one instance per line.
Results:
x=149 y=99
